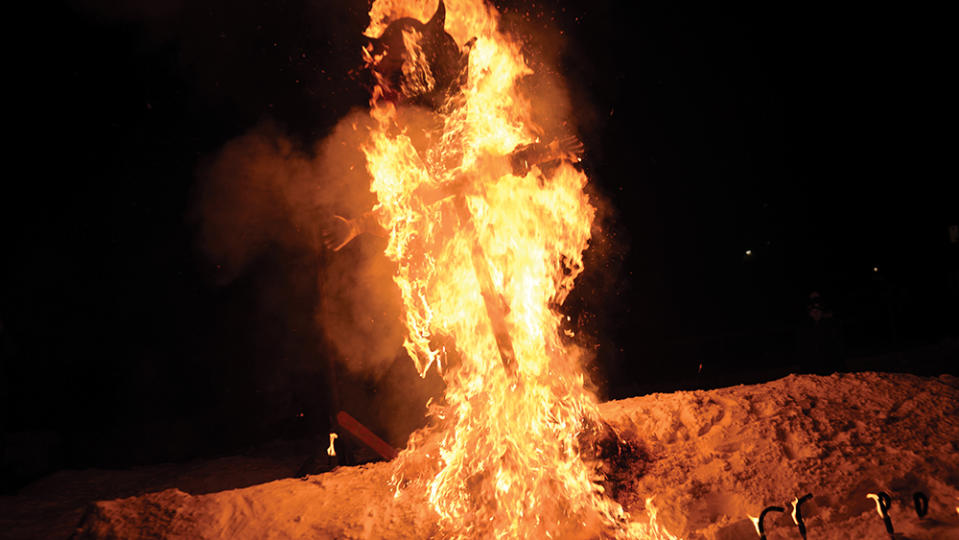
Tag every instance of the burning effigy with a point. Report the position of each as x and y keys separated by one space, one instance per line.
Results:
x=487 y=223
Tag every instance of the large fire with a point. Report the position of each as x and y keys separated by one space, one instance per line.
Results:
x=487 y=245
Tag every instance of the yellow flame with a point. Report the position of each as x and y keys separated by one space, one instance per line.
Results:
x=875 y=497
x=508 y=461
x=331 y=451
x=419 y=77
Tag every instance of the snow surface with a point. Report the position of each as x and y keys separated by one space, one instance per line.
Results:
x=708 y=460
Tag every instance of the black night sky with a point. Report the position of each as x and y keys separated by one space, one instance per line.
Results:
x=750 y=155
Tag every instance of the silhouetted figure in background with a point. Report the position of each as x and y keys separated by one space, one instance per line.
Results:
x=819 y=340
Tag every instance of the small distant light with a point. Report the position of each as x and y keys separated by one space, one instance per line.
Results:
x=749 y=252
x=875 y=268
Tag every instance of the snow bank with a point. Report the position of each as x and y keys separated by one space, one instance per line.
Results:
x=720 y=456
x=708 y=460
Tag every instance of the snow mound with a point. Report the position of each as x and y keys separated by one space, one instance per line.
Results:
x=705 y=461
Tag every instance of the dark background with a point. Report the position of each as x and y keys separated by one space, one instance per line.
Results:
x=808 y=134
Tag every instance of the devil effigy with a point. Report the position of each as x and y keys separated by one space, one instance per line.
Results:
x=487 y=224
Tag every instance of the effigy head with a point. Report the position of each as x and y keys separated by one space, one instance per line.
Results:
x=415 y=62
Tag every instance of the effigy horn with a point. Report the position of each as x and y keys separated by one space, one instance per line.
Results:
x=438 y=20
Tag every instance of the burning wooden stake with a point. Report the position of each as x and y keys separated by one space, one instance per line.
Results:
x=758 y=522
x=496 y=306
x=883 y=501
x=797 y=513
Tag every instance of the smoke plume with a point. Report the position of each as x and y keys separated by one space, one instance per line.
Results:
x=264 y=193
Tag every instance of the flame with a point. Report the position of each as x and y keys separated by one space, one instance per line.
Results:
x=417 y=69
x=875 y=497
x=482 y=270
x=331 y=451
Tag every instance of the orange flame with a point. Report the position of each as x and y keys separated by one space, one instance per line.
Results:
x=508 y=461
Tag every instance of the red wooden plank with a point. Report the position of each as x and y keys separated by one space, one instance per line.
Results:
x=366 y=436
